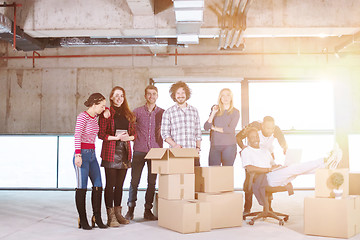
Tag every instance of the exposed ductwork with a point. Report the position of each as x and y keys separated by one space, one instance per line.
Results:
x=233 y=23
x=351 y=44
x=126 y=42
x=23 y=41
x=189 y=16
x=26 y=43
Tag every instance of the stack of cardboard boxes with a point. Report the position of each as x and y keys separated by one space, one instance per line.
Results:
x=216 y=204
x=177 y=208
x=216 y=186
x=329 y=217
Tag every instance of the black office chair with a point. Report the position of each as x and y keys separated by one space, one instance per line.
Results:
x=281 y=217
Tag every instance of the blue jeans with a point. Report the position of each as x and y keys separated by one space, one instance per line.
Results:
x=137 y=166
x=89 y=168
x=224 y=154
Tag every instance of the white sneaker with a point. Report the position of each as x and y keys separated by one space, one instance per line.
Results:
x=334 y=158
x=330 y=159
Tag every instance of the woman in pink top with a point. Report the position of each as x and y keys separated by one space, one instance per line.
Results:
x=85 y=162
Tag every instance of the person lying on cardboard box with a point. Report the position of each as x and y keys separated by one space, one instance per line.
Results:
x=258 y=160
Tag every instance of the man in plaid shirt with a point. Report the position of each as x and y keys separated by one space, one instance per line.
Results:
x=180 y=126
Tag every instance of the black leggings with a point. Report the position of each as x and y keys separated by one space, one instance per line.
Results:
x=114 y=186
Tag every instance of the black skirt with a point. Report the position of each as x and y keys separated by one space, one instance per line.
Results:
x=121 y=160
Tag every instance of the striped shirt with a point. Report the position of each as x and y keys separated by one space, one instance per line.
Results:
x=181 y=125
x=86 y=130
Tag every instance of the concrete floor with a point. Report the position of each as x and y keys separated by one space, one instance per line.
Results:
x=52 y=215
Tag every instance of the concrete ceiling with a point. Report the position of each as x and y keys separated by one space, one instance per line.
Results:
x=291 y=19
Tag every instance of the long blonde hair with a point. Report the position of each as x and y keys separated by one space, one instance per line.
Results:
x=221 y=105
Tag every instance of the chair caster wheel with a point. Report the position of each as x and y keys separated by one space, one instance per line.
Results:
x=251 y=222
x=281 y=222
x=286 y=218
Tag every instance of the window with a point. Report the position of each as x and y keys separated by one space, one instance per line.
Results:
x=203 y=96
x=304 y=111
x=294 y=105
x=28 y=161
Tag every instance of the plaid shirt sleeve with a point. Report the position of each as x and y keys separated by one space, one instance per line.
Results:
x=102 y=128
x=106 y=129
x=132 y=129
x=132 y=132
x=197 y=127
x=165 y=125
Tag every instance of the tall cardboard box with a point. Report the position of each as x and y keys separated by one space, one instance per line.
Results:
x=184 y=216
x=177 y=186
x=354 y=184
x=226 y=208
x=172 y=160
x=323 y=185
x=214 y=179
x=330 y=217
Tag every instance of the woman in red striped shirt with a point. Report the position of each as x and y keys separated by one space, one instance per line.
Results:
x=85 y=162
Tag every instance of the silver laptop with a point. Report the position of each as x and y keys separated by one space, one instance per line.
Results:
x=293 y=156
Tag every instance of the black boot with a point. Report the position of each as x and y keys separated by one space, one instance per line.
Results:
x=80 y=198
x=96 y=204
x=148 y=215
x=130 y=213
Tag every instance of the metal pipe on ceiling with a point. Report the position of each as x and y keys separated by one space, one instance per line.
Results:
x=152 y=55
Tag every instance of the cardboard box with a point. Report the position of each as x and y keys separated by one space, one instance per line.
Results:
x=226 y=208
x=330 y=217
x=214 y=179
x=354 y=183
x=172 y=160
x=177 y=186
x=184 y=216
x=323 y=185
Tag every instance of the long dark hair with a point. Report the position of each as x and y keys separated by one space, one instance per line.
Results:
x=124 y=108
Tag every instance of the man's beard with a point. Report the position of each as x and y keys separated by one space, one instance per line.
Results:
x=183 y=100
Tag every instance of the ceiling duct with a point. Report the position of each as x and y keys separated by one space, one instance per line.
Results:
x=189 y=16
x=23 y=41
x=350 y=45
x=233 y=23
x=115 y=42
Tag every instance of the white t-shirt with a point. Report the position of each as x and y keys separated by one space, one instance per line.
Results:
x=258 y=157
x=266 y=142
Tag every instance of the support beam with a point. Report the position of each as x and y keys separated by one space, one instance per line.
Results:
x=141 y=7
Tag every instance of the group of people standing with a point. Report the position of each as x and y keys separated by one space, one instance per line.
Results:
x=148 y=126
x=116 y=126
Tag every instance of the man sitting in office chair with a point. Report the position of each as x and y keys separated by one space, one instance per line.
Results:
x=258 y=160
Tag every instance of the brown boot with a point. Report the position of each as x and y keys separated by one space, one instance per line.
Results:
x=119 y=217
x=148 y=215
x=112 y=222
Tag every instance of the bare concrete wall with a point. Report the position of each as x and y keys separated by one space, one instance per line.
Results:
x=48 y=97
x=48 y=100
